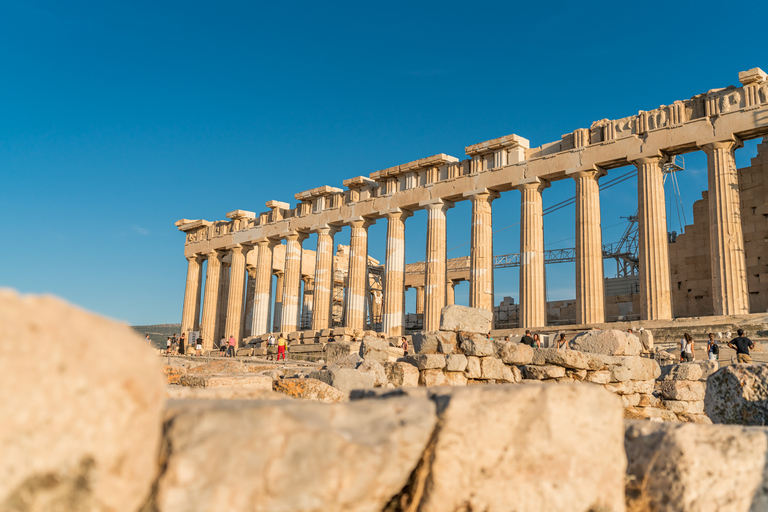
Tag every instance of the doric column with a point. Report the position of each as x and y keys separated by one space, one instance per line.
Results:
x=292 y=282
x=653 y=246
x=729 y=275
x=307 y=305
x=393 y=320
x=211 y=299
x=221 y=313
x=451 y=293
x=358 y=273
x=436 y=270
x=590 y=297
x=533 y=297
x=481 y=249
x=419 y=300
x=235 y=301
x=322 y=300
x=279 y=287
x=191 y=293
x=263 y=286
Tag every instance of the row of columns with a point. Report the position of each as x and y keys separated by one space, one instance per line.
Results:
x=728 y=263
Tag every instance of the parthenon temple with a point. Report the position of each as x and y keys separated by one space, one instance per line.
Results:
x=343 y=286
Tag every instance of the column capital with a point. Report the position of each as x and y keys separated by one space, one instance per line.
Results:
x=326 y=229
x=590 y=171
x=361 y=222
x=197 y=257
x=647 y=157
x=398 y=213
x=295 y=236
x=267 y=242
x=238 y=248
x=437 y=204
x=533 y=183
x=481 y=194
x=213 y=253
x=730 y=143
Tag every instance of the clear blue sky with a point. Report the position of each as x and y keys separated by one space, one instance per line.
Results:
x=118 y=118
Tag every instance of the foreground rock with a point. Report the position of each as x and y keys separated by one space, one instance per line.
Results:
x=309 y=389
x=300 y=456
x=738 y=394
x=226 y=380
x=344 y=379
x=187 y=393
x=464 y=319
x=78 y=432
x=679 y=467
x=610 y=342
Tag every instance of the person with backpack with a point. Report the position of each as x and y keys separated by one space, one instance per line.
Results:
x=713 y=351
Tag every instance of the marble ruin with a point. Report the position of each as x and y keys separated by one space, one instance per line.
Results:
x=246 y=252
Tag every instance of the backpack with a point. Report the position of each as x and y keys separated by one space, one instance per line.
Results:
x=715 y=349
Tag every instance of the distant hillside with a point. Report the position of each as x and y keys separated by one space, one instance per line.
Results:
x=158 y=333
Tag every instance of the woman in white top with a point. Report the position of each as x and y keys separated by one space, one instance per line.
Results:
x=687 y=353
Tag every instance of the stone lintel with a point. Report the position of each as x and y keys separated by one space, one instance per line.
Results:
x=633 y=157
x=241 y=214
x=572 y=173
x=325 y=190
x=720 y=139
x=193 y=224
x=533 y=180
x=181 y=222
x=751 y=76
x=471 y=193
x=416 y=165
x=508 y=141
x=360 y=182
x=274 y=205
x=433 y=202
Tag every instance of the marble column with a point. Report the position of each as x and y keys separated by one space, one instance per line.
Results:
x=278 y=302
x=653 y=245
x=419 y=300
x=481 y=249
x=436 y=275
x=221 y=314
x=730 y=294
x=358 y=273
x=393 y=321
x=263 y=285
x=291 y=282
x=322 y=302
x=451 y=293
x=235 y=300
x=211 y=299
x=590 y=296
x=191 y=293
x=533 y=296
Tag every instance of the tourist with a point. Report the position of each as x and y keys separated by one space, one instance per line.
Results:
x=331 y=339
x=149 y=341
x=168 y=345
x=199 y=347
x=281 y=344
x=687 y=353
x=222 y=345
x=231 y=348
x=183 y=344
x=488 y=337
x=527 y=338
x=174 y=346
x=741 y=345
x=506 y=338
x=713 y=351
x=536 y=341
x=405 y=345
x=561 y=342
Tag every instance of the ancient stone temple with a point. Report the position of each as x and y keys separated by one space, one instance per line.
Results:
x=245 y=253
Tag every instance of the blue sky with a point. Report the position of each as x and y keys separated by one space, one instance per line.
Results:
x=118 y=118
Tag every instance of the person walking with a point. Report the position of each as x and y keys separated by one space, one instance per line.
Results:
x=713 y=351
x=222 y=345
x=231 y=348
x=741 y=344
x=281 y=344
x=687 y=353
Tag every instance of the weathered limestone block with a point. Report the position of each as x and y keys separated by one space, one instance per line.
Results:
x=511 y=374
x=432 y=377
x=367 y=450
x=646 y=339
x=635 y=368
x=226 y=380
x=573 y=461
x=455 y=378
x=456 y=363
x=477 y=345
x=685 y=467
x=644 y=386
x=338 y=349
x=374 y=349
x=682 y=390
x=572 y=359
x=351 y=361
x=187 y=393
x=78 y=432
x=621 y=388
x=244 y=352
x=611 y=342
x=630 y=400
x=473 y=368
x=376 y=370
x=433 y=342
x=738 y=394
x=464 y=319
x=696 y=407
x=401 y=374
x=516 y=353
x=543 y=372
x=427 y=361
x=226 y=366
x=344 y=379
x=309 y=389
x=689 y=417
x=676 y=406
x=491 y=368
x=682 y=371
x=599 y=377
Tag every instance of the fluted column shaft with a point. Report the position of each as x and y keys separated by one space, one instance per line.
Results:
x=653 y=246
x=191 y=294
x=436 y=269
x=450 y=293
x=321 y=307
x=394 y=276
x=235 y=300
x=730 y=294
x=211 y=299
x=590 y=296
x=263 y=283
x=533 y=297
x=481 y=250
x=358 y=273
x=250 y=297
x=279 y=287
x=291 y=282
x=419 y=300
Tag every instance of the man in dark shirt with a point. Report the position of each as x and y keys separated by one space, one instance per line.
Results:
x=742 y=345
x=527 y=338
